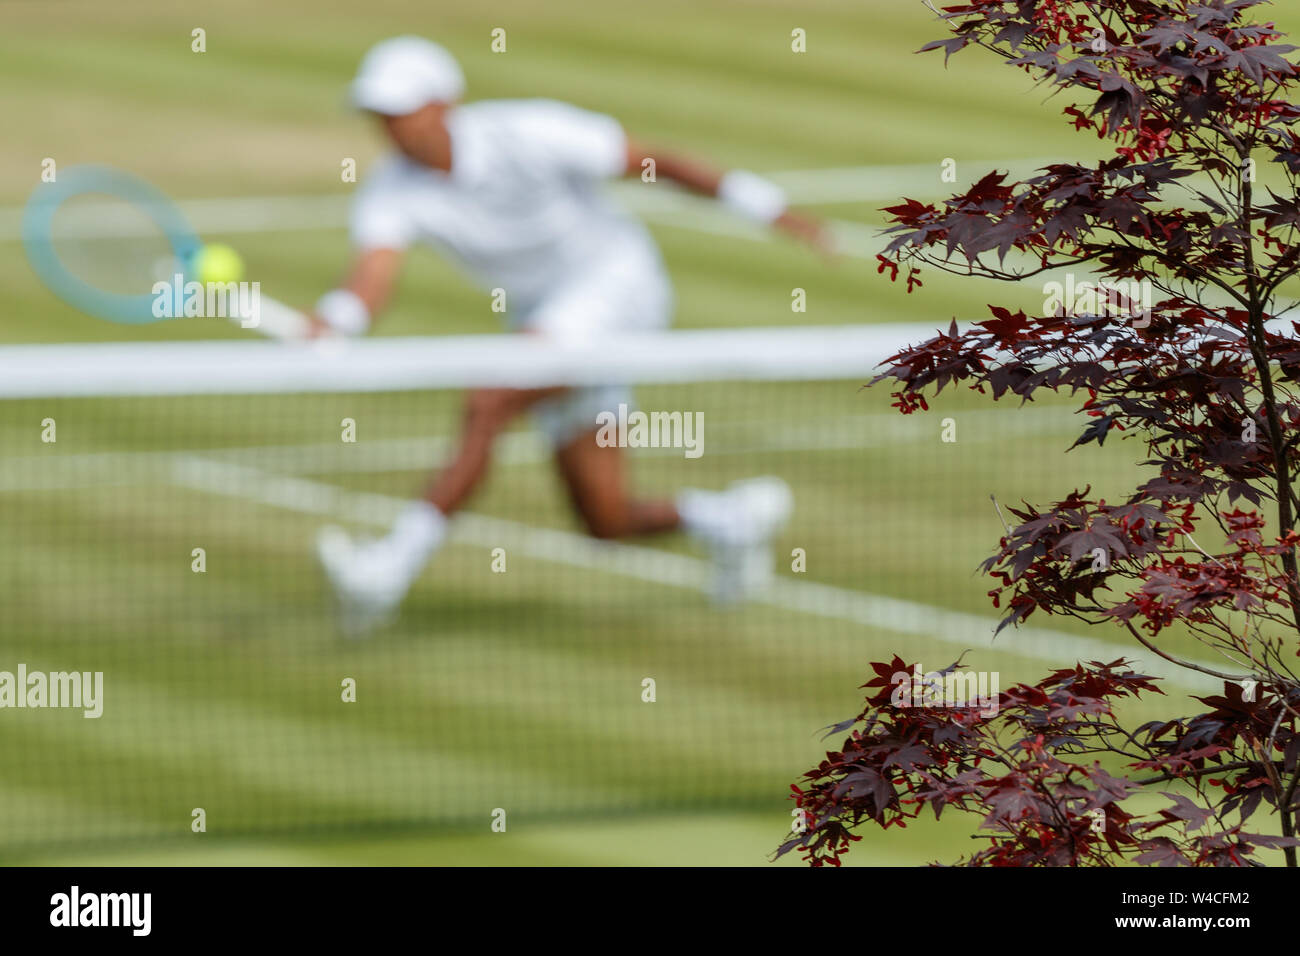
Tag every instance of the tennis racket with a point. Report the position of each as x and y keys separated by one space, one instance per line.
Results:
x=113 y=246
x=276 y=320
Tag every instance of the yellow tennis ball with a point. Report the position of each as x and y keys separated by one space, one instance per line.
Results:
x=218 y=263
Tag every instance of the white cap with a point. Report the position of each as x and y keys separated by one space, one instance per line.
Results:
x=400 y=75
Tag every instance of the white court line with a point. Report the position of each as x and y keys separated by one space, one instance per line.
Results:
x=649 y=564
x=844 y=433
x=292 y=213
x=891 y=183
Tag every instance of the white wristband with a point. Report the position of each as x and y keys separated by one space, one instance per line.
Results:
x=752 y=196
x=343 y=311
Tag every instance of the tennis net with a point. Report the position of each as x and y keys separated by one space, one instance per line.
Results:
x=160 y=504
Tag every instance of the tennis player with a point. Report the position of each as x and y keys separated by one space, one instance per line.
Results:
x=510 y=191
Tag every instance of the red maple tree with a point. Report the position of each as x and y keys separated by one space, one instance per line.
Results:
x=1191 y=355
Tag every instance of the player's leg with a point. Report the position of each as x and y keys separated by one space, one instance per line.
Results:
x=371 y=577
x=735 y=525
x=596 y=480
x=420 y=529
x=488 y=412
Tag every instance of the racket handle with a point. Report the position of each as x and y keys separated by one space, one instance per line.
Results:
x=275 y=320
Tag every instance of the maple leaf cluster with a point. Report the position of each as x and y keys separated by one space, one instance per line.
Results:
x=1194 y=98
x=1033 y=771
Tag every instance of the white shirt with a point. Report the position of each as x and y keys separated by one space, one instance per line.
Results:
x=521 y=208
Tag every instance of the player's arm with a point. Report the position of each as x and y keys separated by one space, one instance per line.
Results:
x=380 y=229
x=744 y=192
x=352 y=307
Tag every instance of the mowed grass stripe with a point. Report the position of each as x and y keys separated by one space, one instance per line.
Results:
x=263 y=767
x=33 y=811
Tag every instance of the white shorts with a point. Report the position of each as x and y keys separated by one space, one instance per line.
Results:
x=626 y=290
